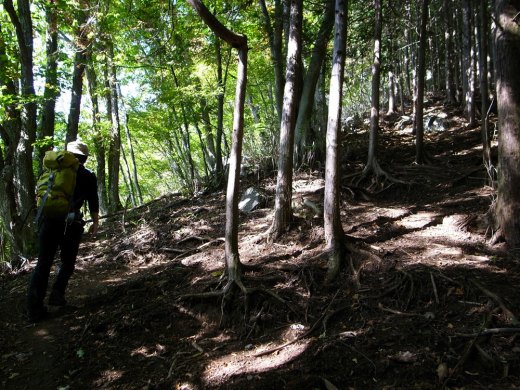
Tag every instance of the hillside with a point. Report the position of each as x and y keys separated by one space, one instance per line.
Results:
x=430 y=282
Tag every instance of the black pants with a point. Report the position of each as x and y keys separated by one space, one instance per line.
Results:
x=54 y=234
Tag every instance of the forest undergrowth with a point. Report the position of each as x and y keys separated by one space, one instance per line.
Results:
x=436 y=305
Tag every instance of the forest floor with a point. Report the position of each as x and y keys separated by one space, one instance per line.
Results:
x=435 y=306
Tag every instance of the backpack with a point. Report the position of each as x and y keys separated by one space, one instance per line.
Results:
x=55 y=187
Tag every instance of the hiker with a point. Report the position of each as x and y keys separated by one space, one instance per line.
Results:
x=64 y=233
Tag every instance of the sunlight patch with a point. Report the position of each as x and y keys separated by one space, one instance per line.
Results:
x=417 y=221
x=41 y=332
x=437 y=251
x=239 y=363
x=109 y=376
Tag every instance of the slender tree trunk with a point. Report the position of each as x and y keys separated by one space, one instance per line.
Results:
x=484 y=90
x=334 y=235
x=307 y=100
x=275 y=34
x=208 y=135
x=468 y=62
x=186 y=142
x=204 y=150
x=457 y=63
x=283 y=198
x=407 y=68
x=183 y=168
x=114 y=148
x=97 y=136
x=80 y=57
x=23 y=176
x=451 y=92
x=220 y=116
x=391 y=93
x=127 y=179
x=134 y=176
x=507 y=42
x=10 y=133
x=376 y=82
x=421 y=72
x=239 y=42
x=52 y=88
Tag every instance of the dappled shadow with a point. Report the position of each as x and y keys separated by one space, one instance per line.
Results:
x=432 y=284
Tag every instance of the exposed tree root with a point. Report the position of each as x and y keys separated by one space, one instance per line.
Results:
x=508 y=313
x=497 y=237
x=184 y=252
x=227 y=293
x=491 y=331
x=379 y=177
x=303 y=335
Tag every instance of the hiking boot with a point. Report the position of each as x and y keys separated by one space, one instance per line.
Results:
x=36 y=314
x=57 y=299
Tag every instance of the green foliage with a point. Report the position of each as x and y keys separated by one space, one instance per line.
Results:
x=166 y=64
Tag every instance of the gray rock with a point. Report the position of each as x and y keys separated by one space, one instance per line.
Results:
x=435 y=123
x=251 y=199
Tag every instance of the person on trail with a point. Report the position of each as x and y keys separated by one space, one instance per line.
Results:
x=65 y=234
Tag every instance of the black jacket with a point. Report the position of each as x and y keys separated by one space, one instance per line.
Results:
x=86 y=190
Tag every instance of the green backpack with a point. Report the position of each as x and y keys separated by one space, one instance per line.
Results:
x=55 y=187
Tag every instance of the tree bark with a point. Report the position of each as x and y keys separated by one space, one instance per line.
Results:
x=133 y=175
x=507 y=43
x=25 y=121
x=51 y=90
x=451 y=93
x=421 y=72
x=484 y=89
x=468 y=62
x=114 y=144
x=334 y=235
x=221 y=84
x=10 y=133
x=275 y=35
x=80 y=58
x=376 y=82
x=97 y=136
x=391 y=93
x=239 y=42
x=305 y=108
x=283 y=198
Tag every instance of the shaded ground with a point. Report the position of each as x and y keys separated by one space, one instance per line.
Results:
x=429 y=284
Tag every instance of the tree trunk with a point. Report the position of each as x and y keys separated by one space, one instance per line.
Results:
x=484 y=90
x=376 y=82
x=283 y=198
x=391 y=93
x=114 y=144
x=97 y=136
x=51 y=90
x=334 y=235
x=80 y=58
x=239 y=42
x=421 y=72
x=133 y=175
x=219 y=177
x=275 y=35
x=451 y=92
x=468 y=62
x=307 y=99
x=10 y=132
x=507 y=42
x=208 y=136
x=25 y=121
x=186 y=143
